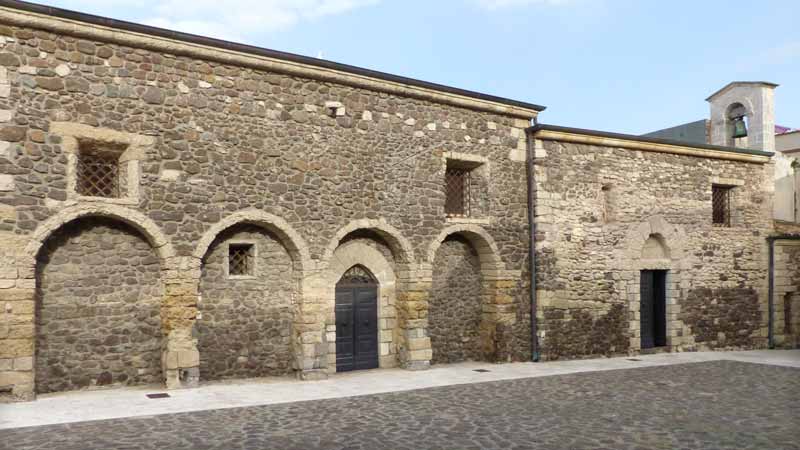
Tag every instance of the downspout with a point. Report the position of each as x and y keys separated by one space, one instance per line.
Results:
x=771 y=294
x=771 y=291
x=531 y=180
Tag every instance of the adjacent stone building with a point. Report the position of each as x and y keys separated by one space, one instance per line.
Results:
x=176 y=209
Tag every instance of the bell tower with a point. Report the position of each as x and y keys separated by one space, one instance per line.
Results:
x=743 y=115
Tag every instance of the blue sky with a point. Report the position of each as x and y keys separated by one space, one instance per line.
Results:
x=629 y=66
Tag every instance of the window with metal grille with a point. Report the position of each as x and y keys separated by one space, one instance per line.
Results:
x=98 y=174
x=241 y=259
x=721 y=204
x=457 y=184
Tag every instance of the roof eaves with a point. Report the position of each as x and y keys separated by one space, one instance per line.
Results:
x=634 y=138
x=739 y=83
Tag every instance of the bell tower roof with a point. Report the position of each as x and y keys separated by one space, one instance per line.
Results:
x=733 y=84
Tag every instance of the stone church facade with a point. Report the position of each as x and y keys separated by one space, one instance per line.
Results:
x=176 y=209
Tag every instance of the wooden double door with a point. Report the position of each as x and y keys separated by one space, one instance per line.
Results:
x=356 y=321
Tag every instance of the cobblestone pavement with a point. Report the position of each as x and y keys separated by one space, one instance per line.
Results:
x=711 y=405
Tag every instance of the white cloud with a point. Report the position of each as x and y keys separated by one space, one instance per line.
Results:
x=493 y=5
x=226 y=19
x=232 y=19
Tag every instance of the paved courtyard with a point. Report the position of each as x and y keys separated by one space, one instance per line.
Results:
x=710 y=405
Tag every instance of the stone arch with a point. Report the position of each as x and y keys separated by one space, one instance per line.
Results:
x=344 y=257
x=477 y=325
x=479 y=238
x=669 y=237
x=738 y=107
x=354 y=253
x=267 y=299
x=400 y=246
x=290 y=238
x=655 y=247
x=143 y=224
x=99 y=289
x=653 y=244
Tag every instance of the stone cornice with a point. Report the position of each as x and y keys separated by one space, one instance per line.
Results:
x=18 y=14
x=547 y=133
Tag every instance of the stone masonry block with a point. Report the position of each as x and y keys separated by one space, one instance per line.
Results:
x=188 y=358
x=14 y=348
x=423 y=343
x=421 y=355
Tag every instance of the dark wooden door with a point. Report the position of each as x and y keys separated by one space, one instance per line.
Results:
x=356 y=322
x=653 y=308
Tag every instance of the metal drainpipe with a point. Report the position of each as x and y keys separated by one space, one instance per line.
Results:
x=532 y=240
x=771 y=292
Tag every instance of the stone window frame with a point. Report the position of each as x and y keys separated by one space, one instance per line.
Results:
x=136 y=148
x=479 y=167
x=734 y=184
x=226 y=266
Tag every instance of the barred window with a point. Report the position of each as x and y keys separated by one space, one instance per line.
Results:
x=721 y=205
x=241 y=259
x=98 y=174
x=457 y=190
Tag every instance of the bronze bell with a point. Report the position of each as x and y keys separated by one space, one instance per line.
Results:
x=739 y=127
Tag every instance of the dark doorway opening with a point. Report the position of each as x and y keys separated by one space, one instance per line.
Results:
x=653 y=308
x=356 y=321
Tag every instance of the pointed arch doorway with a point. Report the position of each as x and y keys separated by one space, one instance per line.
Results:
x=356 y=320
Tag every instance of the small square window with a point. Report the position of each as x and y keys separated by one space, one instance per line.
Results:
x=457 y=190
x=241 y=260
x=721 y=205
x=98 y=175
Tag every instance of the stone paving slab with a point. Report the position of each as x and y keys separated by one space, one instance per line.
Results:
x=707 y=405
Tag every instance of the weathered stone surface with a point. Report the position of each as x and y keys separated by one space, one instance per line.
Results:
x=50 y=83
x=99 y=317
x=6 y=182
x=456 y=305
x=593 y=247
x=9 y=59
x=62 y=70
x=153 y=95
x=86 y=47
x=74 y=84
x=12 y=133
x=245 y=329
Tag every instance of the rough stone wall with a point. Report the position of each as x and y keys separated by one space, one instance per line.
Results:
x=456 y=304
x=723 y=317
x=230 y=138
x=593 y=203
x=792 y=301
x=98 y=308
x=246 y=323
x=787 y=293
x=216 y=139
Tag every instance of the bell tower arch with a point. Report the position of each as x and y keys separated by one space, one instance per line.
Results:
x=743 y=115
